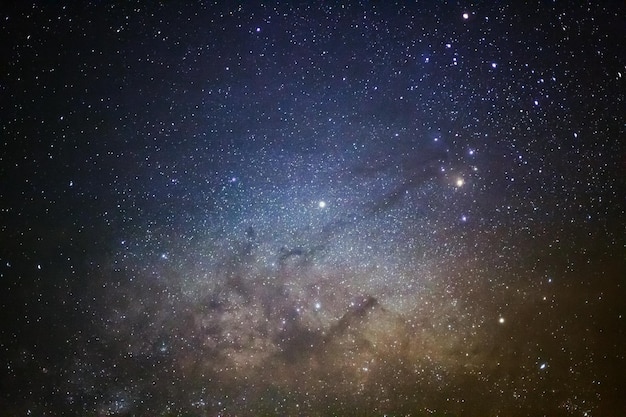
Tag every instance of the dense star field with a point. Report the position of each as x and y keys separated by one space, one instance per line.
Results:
x=313 y=209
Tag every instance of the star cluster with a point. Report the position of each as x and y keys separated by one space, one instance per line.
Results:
x=313 y=208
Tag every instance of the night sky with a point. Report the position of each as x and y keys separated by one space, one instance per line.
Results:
x=313 y=208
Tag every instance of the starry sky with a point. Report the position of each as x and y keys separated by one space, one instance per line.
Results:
x=313 y=208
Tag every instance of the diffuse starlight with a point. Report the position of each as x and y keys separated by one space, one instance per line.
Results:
x=300 y=209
